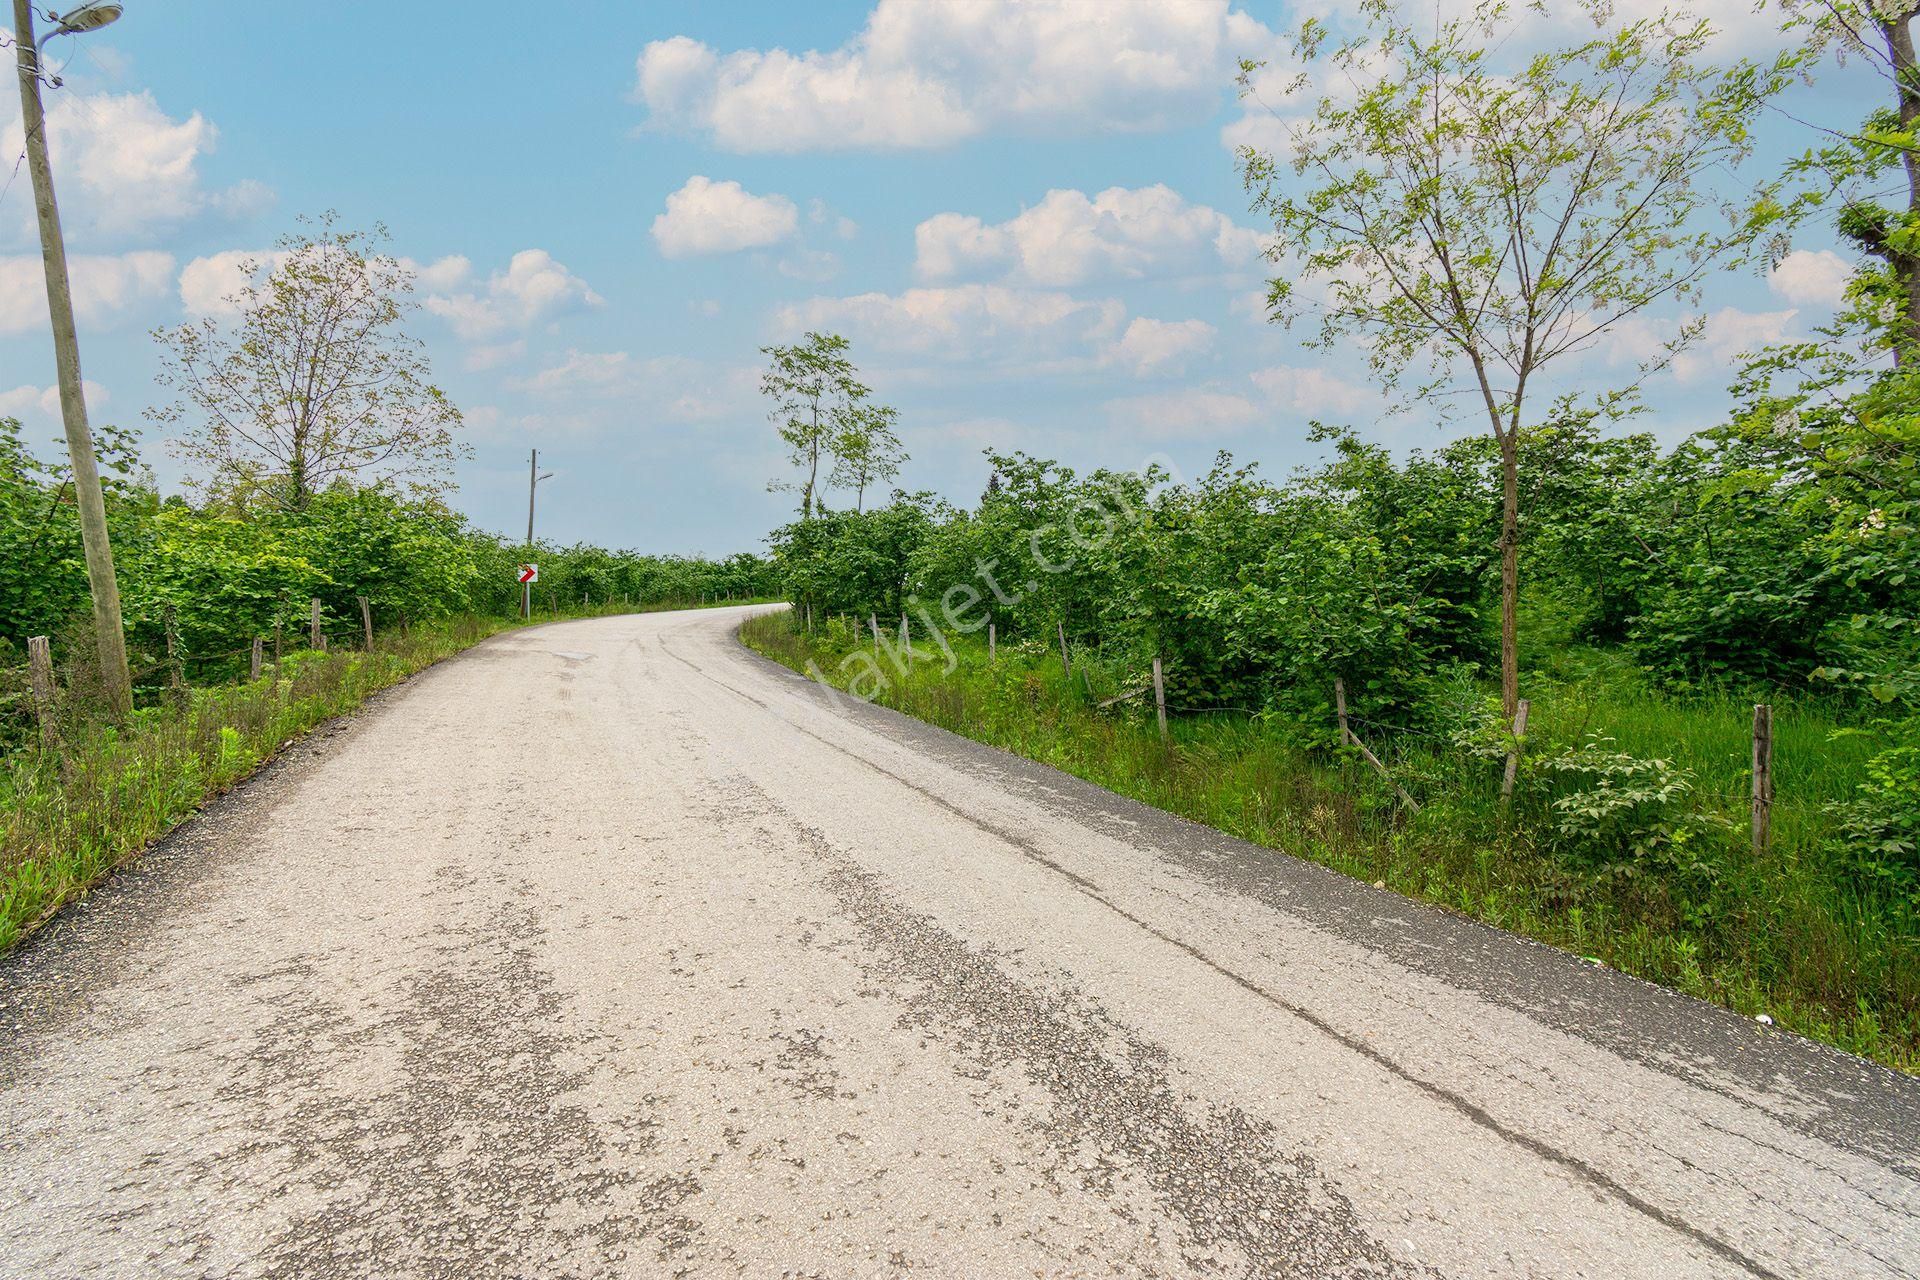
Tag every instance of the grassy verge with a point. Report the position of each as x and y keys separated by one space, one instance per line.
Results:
x=1780 y=934
x=93 y=796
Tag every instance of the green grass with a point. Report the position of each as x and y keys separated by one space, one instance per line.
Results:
x=1780 y=934
x=92 y=796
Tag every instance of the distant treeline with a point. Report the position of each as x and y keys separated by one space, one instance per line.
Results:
x=226 y=574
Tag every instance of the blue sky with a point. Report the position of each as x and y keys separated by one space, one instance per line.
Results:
x=1026 y=217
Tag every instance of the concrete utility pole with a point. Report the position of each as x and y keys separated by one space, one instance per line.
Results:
x=533 y=482
x=107 y=625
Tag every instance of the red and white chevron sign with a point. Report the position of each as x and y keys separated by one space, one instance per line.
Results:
x=529 y=573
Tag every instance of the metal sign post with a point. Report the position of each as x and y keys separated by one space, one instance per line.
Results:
x=527 y=575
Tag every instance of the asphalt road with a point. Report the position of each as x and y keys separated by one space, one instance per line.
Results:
x=610 y=949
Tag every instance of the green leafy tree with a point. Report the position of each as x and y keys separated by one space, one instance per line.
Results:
x=1854 y=167
x=815 y=390
x=1486 y=220
x=226 y=580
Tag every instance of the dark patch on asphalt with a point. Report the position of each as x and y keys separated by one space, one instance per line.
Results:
x=806 y=1065
x=468 y=1159
x=1836 y=1098
x=1113 y=1110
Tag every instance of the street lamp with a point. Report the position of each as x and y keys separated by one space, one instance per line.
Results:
x=534 y=477
x=108 y=629
x=88 y=17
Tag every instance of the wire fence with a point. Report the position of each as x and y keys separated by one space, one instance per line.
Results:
x=1434 y=761
x=155 y=673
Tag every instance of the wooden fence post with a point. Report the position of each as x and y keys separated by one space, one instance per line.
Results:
x=254 y=662
x=366 y=621
x=1065 y=665
x=1340 y=709
x=906 y=641
x=314 y=637
x=40 y=664
x=992 y=656
x=1160 y=699
x=1513 y=756
x=1762 y=777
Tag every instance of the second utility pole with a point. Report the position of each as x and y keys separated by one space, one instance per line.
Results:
x=107 y=626
x=533 y=482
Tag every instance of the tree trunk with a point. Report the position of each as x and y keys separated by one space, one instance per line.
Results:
x=1906 y=84
x=1509 y=572
x=297 y=474
x=813 y=465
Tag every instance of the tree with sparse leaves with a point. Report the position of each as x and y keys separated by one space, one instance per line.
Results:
x=315 y=381
x=867 y=452
x=1484 y=219
x=814 y=389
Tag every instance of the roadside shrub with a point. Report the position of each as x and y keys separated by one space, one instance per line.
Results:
x=1618 y=817
x=1878 y=841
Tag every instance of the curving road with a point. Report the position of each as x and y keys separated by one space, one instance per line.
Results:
x=610 y=949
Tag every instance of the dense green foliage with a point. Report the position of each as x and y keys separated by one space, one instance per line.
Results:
x=1713 y=564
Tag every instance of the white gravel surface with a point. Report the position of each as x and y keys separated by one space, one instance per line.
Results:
x=610 y=949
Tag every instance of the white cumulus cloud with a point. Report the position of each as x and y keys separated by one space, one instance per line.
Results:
x=705 y=216
x=671 y=388
x=1160 y=346
x=580 y=371
x=1283 y=90
x=1811 y=278
x=210 y=284
x=1730 y=333
x=929 y=74
x=986 y=322
x=1195 y=411
x=1312 y=392
x=533 y=289
x=442 y=275
x=45 y=401
x=1070 y=238
x=126 y=168
x=104 y=287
